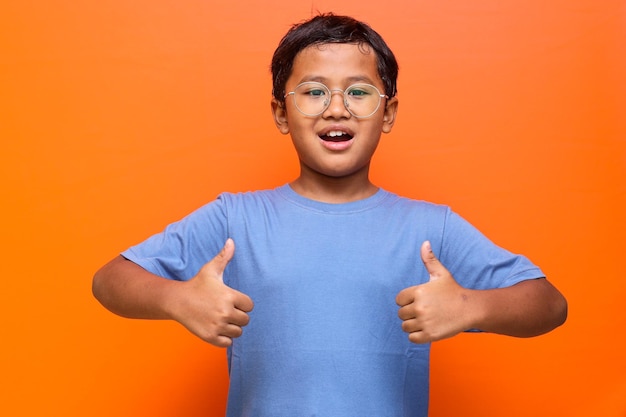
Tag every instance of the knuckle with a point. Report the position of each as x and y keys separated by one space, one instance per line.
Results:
x=223 y=342
x=415 y=338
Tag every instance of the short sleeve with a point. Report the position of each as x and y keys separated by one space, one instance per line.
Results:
x=179 y=251
x=478 y=263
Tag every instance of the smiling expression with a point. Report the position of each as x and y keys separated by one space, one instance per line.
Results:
x=335 y=143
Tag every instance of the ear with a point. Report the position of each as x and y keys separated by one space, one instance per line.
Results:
x=389 y=118
x=279 y=111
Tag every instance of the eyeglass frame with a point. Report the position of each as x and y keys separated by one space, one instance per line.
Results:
x=336 y=90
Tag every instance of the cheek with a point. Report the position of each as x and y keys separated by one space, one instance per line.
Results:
x=299 y=124
x=373 y=129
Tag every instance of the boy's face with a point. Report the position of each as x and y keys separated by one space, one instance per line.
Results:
x=337 y=66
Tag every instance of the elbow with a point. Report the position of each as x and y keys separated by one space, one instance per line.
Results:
x=102 y=283
x=554 y=315
x=552 y=310
x=555 y=311
x=97 y=287
x=560 y=310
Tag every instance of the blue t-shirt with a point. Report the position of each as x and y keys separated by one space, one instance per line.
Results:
x=324 y=338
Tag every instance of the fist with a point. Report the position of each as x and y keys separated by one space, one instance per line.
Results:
x=209 y=308
x=436 y=309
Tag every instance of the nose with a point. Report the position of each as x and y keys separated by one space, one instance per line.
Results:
x=337 y=106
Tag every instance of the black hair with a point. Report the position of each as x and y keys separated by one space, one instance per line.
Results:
x=330 y=28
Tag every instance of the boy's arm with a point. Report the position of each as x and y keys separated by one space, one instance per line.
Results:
x=204 y=304
x=441 y=308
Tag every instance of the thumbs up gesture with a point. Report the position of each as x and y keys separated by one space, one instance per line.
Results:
x=437 y=309
x=208 y=308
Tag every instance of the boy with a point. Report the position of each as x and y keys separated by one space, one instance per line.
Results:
x=330 y=261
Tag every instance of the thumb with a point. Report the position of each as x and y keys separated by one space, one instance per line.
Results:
x=433 y=266
x=218 y=264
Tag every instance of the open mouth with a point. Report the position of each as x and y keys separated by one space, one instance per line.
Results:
x=336 y=136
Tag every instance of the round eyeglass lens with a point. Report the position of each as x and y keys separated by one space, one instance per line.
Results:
x=311 y=98
x=362 y=100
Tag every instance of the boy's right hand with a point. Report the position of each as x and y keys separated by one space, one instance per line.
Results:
x=209 y=308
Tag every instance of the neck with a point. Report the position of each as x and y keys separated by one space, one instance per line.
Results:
x=334 y=190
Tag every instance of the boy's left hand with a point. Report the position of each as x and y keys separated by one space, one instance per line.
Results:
x=435 y=310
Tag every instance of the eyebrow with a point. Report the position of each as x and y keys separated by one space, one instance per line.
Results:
x=350 y=80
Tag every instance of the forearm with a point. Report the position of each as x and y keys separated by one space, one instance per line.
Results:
x=128 y=290
x=527 y=309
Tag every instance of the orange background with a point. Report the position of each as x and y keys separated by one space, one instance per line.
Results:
x=120 y=117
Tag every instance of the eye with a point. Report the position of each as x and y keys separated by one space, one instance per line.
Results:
x=360 y=91
x=311 y=90
x=315 y=92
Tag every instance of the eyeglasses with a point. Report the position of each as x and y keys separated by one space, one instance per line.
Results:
x=312 y=98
